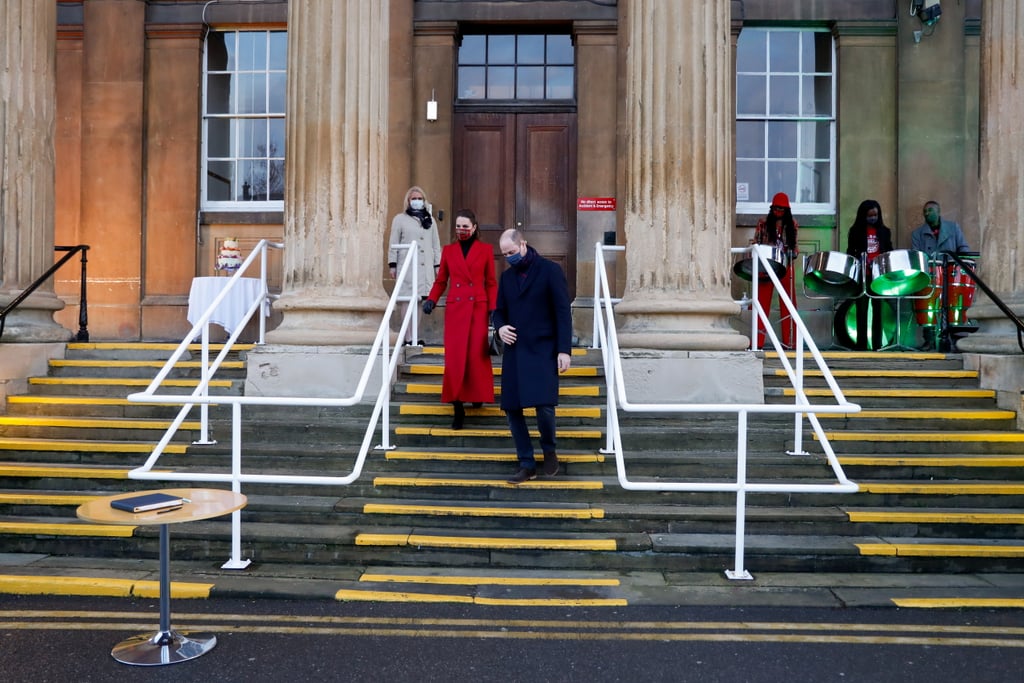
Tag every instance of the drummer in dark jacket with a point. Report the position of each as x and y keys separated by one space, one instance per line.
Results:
x=534 y=321
x=869 y=237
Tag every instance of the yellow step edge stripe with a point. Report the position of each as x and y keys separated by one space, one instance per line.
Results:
x=941 y=374
x=7 y=444
x=926 y=517
x=927 y=603
x=494 y=543
x=485 y=580
x=926 y=414
x=460 y=511
x=864 y=355
x=78 y=400
x=123 y=381
x=100 y=363
x=94 y=423
x=65 y=472
x=434 y=349
x=435 y=389
x=496 y=433
x=98 y=586
x=933 y=461
x=29 y=498
x=150 y=346
x=483 y=457
x=560 y=411
x=431 y=369
x=939 y=550
x=900 y=393
x=941 y=437
x=589 y=485
x=57 y=529
x=929 y=488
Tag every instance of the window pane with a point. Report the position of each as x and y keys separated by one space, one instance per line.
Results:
x=252 y=94
x=530 y=83
x=784 y=51
x=817 y=52
x=277 y=180
x=751 y=94
x=817 y=96
x=785 y=98
x=501 y=49
x=252 y=138
x=560 y=83
x=278 y=83
x=252 y=51
x=750 y=139
x=219 y=177
x=782 y=177
x=218 y=94
x=560 y=50
x=752 y=173
x=217 y=51
x=782 y=139
x=278 y=50
x=531 y=49
x=501 y=82
x=252 y=181
x=218 y=137
x=750 y=50
x=276 y=138
x=814 y=183
x=473 y=50
x=815 y=140
x=471 y=82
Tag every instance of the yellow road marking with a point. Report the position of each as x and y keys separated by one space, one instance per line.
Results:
x=939 y=550
x=56 y=529
x=935 y=517
x=76 y=585
x=1015 y=603
x=485 y=542
x=439 y=481
x=485 y=580
x=460 y=511
x=387 y=596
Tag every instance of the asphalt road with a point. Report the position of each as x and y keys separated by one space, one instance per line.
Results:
x=44 y=639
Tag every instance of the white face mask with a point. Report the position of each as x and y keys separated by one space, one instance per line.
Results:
x=416 y=204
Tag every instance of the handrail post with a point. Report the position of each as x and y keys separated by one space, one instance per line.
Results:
x=204 y=408
x=739 y=573
x=83 y=302
x=798 y=418
x=236 y=561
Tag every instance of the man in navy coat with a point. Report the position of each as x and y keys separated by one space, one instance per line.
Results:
x=534 y=321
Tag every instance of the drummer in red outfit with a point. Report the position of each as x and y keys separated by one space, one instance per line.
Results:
x=778 y=230
x=869 y=237
x=467 y=272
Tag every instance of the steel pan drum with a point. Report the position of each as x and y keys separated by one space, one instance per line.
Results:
x=776 y=257
x=899 y=273
x=846 y=331
x=833 y=274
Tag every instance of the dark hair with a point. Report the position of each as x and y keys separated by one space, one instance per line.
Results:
x=788 y=227
x=862 y=214
x=466 y=213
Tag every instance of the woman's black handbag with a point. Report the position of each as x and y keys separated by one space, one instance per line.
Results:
x=494 y=344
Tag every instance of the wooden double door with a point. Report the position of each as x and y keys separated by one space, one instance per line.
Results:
x=518 y=170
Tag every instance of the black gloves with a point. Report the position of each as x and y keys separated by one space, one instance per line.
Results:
x=428 y=306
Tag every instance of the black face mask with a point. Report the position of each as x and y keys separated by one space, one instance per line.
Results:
x=871 y=220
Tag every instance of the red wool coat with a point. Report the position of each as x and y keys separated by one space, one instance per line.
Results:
x=472 y=293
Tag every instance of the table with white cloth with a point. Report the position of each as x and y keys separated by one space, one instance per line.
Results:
x=230 y=313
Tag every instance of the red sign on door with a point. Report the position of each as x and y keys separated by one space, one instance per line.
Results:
x=595 y=204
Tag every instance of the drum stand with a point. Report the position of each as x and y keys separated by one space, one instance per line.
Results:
x=897 y=344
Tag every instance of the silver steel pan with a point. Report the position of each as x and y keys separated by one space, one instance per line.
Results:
x=833 y=274
x=900 y=272
x=776 y=257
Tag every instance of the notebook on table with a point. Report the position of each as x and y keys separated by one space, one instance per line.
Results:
x=147 y=501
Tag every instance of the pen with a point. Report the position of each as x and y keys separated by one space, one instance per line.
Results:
x=186 y=500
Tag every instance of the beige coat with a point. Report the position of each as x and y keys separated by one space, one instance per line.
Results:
x=406 y=229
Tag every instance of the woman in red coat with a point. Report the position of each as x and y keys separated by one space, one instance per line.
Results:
x=467 y=271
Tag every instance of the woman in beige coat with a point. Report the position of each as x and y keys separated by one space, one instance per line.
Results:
x=415 y=225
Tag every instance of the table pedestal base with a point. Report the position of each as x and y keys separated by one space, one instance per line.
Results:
x=164 y=647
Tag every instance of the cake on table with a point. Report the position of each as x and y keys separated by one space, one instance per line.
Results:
x=230 y=256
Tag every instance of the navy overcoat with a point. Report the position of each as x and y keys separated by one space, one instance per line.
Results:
x=537 y=305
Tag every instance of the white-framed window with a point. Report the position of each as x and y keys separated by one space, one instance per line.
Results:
x=785 y=119
x=244 y=81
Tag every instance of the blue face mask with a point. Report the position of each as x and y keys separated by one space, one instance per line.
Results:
x=514 y=259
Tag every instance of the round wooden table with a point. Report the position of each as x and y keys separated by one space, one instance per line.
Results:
x=165 y=646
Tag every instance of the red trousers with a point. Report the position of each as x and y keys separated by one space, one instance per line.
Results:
x=765 y=290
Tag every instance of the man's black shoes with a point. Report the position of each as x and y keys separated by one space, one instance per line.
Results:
x=550 y=467
x=521 y=475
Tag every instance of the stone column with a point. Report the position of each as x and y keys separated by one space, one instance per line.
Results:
x=677 y=192
x=336 y=179
x=1001 y=186
x=27 y=122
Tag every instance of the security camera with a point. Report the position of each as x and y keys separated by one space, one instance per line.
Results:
x=928 y=11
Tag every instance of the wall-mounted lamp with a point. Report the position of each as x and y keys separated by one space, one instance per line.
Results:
x=432 y=107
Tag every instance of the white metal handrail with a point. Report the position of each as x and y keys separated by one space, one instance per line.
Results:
x=606 y=338
x=382 y=345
